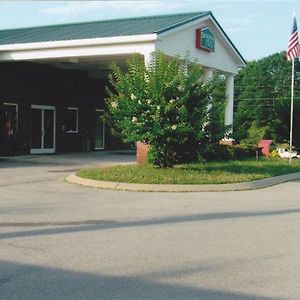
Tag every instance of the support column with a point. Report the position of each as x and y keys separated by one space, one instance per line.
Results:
x=208 y=74
x=148 y=58
x=229 y=105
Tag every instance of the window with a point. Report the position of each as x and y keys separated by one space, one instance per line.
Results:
x=72 y=120
x=9 y=119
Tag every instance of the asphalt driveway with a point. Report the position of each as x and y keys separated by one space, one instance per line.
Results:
x=62 y=241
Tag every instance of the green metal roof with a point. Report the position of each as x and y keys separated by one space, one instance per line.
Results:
x=98 y=29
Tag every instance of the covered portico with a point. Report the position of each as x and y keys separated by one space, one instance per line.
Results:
x=55 y=76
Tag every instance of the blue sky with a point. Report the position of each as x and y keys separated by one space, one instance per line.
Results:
x=257 y=28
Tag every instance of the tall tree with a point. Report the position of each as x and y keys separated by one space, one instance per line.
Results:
x=263 y=93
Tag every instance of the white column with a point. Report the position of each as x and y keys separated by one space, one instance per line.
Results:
x=208 y=73
x=148 y=58
x=230 y=100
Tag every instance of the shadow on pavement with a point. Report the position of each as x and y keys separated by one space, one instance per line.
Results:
x=24 y=281
x=93 y=225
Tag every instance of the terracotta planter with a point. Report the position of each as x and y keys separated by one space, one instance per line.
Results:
x=141 y=152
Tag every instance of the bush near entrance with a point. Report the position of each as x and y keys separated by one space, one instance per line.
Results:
x=167 y=106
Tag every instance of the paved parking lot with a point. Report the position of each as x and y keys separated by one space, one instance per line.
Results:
x=62 y=241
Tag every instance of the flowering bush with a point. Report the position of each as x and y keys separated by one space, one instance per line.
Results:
x=164 y=105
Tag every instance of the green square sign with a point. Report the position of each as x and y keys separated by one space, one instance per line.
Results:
x=205 y=39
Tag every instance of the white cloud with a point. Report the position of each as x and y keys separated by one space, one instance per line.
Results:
x=128 y=8
x=108 y=7
x=243 y=24
x=71 y=8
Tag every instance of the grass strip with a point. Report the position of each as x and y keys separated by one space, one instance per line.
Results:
x=196 y=173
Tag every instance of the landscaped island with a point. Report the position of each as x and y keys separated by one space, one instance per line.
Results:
x=231 y=171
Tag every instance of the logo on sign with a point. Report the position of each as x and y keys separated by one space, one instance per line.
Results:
x=205 y=39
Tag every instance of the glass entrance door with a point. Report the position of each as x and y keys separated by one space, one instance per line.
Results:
x=36 y=129
x=99 y=129
x=48 y=136
x=42 y=129
x=8 y=128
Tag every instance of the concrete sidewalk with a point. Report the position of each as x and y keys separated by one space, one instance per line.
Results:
x=38 y=168
x=75 y=159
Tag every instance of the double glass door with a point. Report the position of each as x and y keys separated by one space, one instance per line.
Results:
x=42 y=129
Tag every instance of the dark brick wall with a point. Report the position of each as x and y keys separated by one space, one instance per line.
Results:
x=29 y=83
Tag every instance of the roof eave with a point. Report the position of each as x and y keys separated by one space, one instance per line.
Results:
x=144 y=38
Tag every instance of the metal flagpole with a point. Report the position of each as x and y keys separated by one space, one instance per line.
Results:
x=292 y=109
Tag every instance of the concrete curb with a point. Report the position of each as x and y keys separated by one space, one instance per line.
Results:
x=252 y=185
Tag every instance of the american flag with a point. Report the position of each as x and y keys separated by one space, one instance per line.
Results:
x=293 y=50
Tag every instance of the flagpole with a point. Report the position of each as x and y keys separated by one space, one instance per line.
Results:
x=292 y=110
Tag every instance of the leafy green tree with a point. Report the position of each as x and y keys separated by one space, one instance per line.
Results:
x=164 y=105
x=262 y=93
x=255 y=134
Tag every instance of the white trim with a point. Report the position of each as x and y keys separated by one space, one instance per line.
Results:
x=81 y=42
x=43 y=150
x=17 y=111
x=10 y=103
x=99 y=148
x=42 y=106
x=82 y=51
x=77 y=119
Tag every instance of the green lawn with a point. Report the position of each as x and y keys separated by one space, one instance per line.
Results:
x=200 y=173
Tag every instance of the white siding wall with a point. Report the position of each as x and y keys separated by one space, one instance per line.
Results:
x=182 y=42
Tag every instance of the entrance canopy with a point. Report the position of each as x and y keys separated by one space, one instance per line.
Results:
x=53 y=78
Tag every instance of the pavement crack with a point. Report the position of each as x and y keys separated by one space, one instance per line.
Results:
x=23 y=247
x=28 y=182
x=67 y=223
x=116 y=187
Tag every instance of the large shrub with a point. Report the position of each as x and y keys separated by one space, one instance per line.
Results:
x=165 y=105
